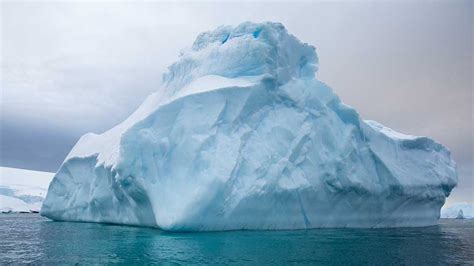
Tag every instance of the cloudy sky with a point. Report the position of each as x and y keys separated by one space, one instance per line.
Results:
x=68 y=68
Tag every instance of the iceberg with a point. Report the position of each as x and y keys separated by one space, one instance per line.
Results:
x=242 y=135
x=459 y=210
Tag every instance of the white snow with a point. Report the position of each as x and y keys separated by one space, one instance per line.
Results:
x=13 y=204
x=388 y=131
x=213 y=82
x=452 y=211
x=23 y=190
x=243 y=136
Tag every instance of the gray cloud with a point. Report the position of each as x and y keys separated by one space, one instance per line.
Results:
x=71 y=68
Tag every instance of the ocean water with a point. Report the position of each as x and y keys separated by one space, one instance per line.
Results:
x=30 y=238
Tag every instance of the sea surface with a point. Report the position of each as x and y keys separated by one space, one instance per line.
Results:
x=30 y=238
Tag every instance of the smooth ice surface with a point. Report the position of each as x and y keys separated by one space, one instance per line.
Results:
x=453 y=211
x=22 y=190
x=243 y=136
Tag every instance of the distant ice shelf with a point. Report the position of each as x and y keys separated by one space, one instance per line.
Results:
x=22 y=190
x=242 y=135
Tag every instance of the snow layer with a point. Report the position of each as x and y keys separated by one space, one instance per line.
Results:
x=243 y=136
x=22 y=190
x=453 y=211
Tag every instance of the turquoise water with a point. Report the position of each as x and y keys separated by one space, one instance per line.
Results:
x=29 y=238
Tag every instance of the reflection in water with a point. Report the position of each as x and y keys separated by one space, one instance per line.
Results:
x=34 y=239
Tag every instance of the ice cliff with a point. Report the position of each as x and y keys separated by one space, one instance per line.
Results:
x=243 y=136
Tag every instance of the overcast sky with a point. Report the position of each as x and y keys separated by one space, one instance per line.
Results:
x=71 y=68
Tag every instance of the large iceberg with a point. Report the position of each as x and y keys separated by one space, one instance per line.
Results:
x=243 y=136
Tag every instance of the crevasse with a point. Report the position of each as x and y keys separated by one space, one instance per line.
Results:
x=243 y=136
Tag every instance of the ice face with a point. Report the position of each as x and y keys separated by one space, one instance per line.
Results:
x=243 y=136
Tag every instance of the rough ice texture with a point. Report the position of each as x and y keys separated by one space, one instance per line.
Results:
x=243 y=136
x=22 y=190
x=465 y=209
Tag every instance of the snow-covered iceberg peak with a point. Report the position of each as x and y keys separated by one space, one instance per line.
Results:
x=243 y=136
x=250 y=49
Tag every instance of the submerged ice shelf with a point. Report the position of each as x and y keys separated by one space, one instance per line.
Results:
x=243 y=136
